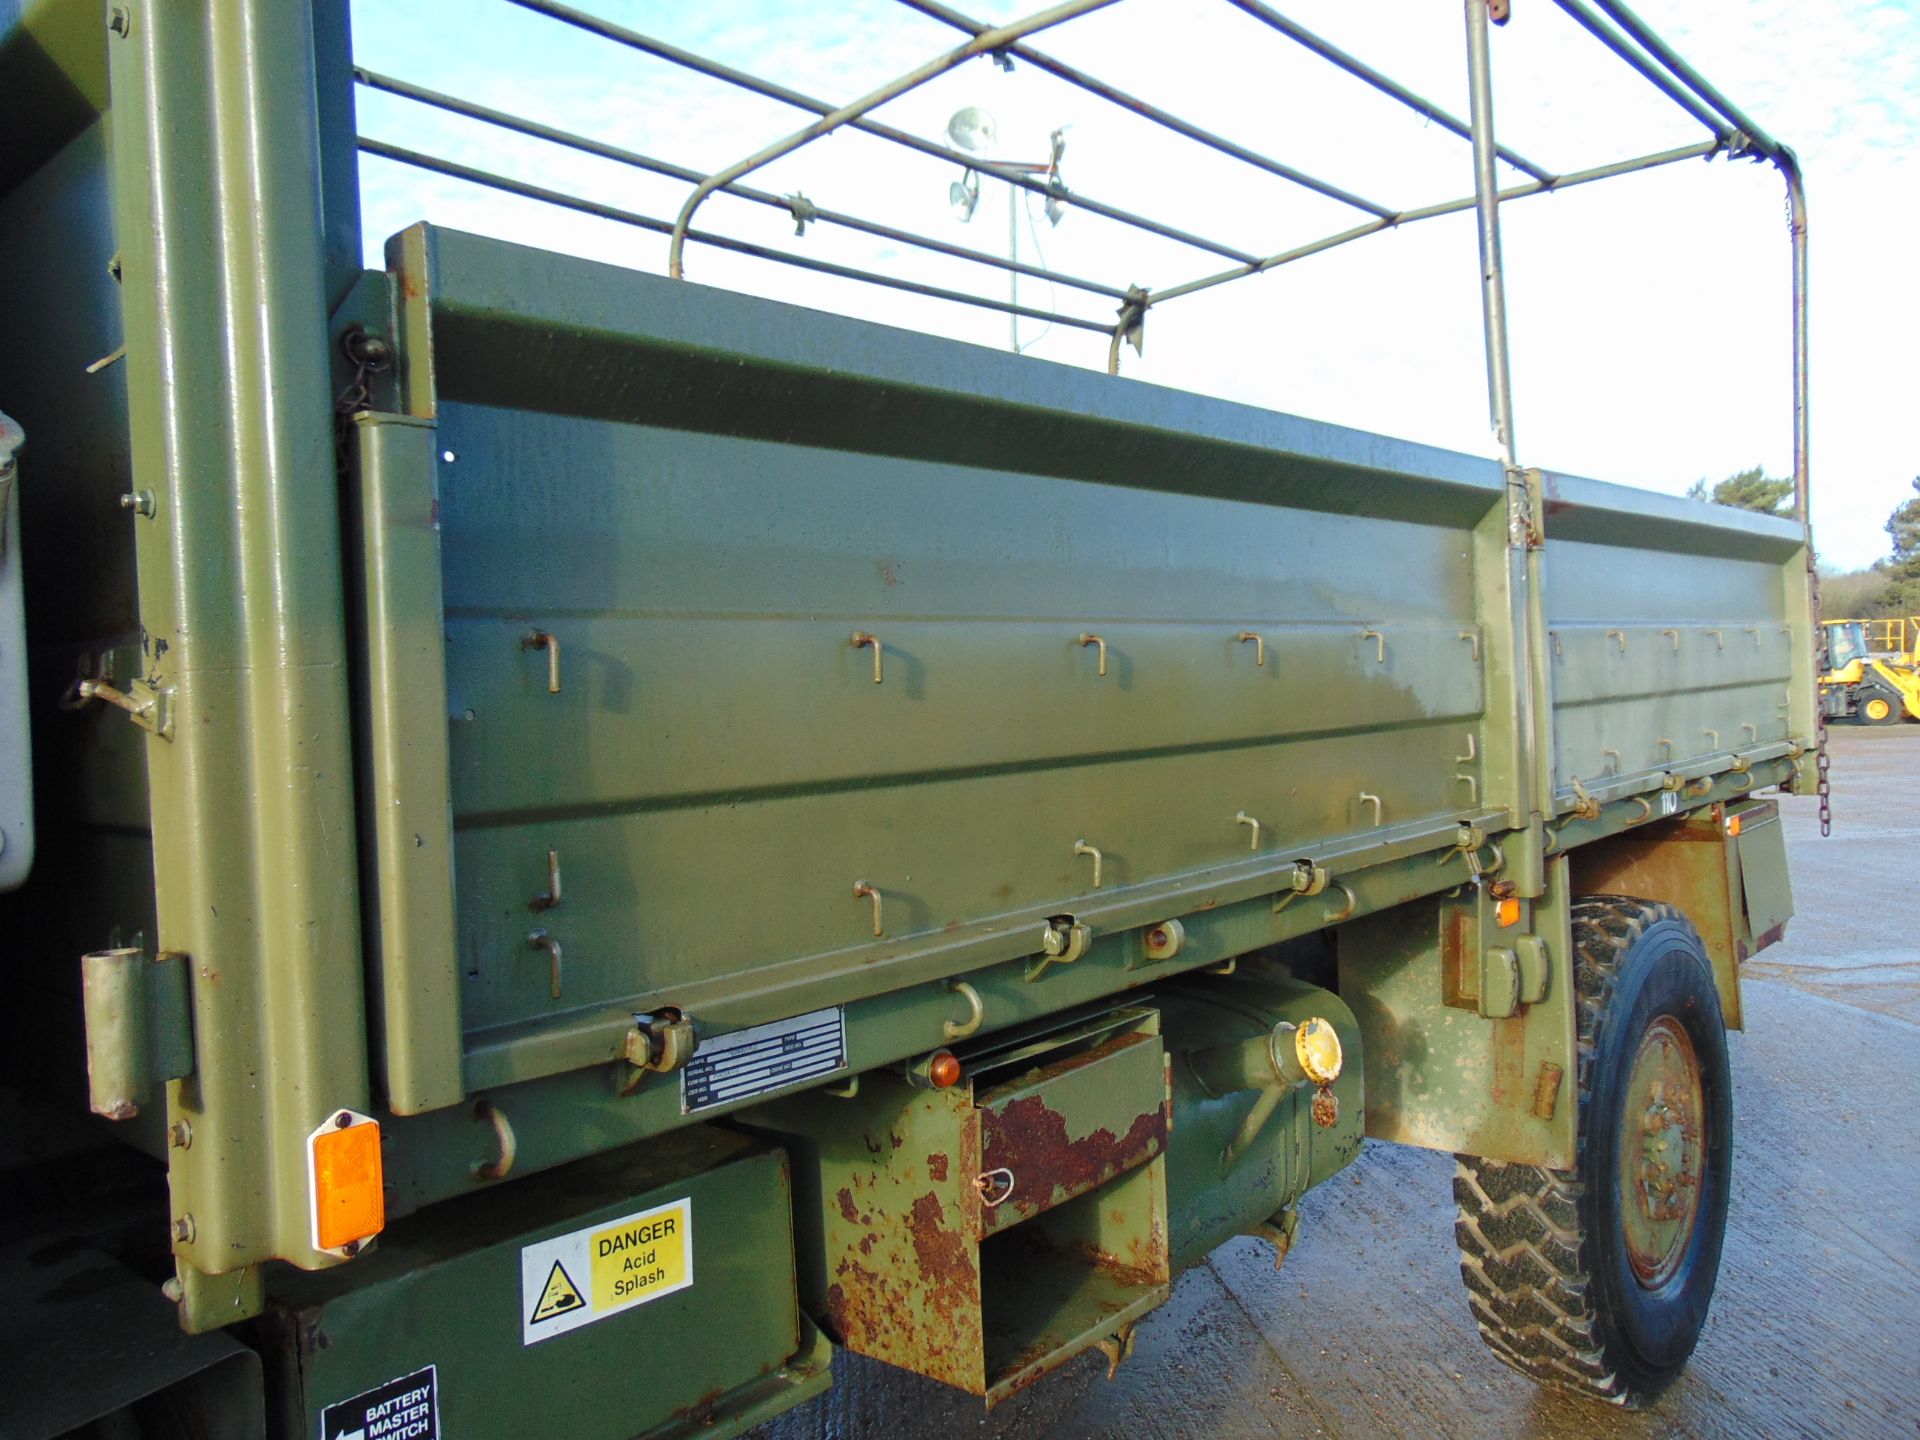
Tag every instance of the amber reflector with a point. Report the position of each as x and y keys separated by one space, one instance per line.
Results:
x=349 y=1202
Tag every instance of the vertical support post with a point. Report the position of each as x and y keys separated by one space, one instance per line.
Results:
x=1013 y=276
x=217 y=194
x=1486 y=204
x=339 y=145
x=1789 y=165
x=1519 y=729
x=1804 y=716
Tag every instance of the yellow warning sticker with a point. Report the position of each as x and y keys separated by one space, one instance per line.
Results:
x=591 y=1274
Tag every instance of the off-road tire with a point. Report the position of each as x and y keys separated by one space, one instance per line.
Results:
x=1542 y=1251
x=1892 y=708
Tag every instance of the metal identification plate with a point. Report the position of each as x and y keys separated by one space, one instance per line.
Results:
x=763 y=1059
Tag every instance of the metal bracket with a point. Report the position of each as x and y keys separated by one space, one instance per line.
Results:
x=12 y=437
x=1118 y=1347
x=150 y=709
x=139 y=1023
x=1280 y=1232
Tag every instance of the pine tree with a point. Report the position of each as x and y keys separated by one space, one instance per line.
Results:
x=1902 y=569
x=1748 y=490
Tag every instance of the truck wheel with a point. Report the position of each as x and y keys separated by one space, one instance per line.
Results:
x=1597 y=1279
x=1878 y=705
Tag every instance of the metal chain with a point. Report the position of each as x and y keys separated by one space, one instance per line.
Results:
x=1823 y=787
x=370 y=355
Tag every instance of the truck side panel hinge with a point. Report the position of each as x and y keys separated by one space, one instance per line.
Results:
x=139 y=1027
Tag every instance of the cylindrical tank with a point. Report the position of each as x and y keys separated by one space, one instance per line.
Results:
x=1209 y=1202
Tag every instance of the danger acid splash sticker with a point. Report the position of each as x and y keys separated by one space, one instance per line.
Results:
x=576 y=1279
x=405 y=1408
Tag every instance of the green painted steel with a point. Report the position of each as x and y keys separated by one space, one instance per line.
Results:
x=403 y=707
x=706 y=534
x=241 y=607
x=447 y=1292
x=1209 y=1202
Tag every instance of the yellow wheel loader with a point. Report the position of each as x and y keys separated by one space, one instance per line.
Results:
x=1867 y=684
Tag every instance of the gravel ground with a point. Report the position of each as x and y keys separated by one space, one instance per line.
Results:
x=1815 y=1329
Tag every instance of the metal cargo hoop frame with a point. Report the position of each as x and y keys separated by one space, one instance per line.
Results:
x=1611 y=23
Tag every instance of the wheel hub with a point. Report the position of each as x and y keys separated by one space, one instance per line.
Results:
x=1661 y=1152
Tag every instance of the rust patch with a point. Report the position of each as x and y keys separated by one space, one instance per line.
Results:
x=946 y=1267
x=849 y=1210
x=920 y=1312
x=1030 y=1139
x=702 y=1411
x=936 y=1167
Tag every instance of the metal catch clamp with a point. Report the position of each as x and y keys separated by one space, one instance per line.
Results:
x=1308 y=879
x=1063 y=940
x=802 y=210
x=1132 y=326
x=661 y=1043
x=147 y=707
x=995 y=1187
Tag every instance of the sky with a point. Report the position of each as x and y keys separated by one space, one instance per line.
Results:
x=1649 y=315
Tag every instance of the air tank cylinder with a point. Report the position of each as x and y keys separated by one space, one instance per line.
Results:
x=1267 y=1101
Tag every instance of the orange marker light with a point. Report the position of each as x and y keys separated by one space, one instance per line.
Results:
x=1507 y=912
x=944 y=1070
x=347 y=1184
x=1733 y=825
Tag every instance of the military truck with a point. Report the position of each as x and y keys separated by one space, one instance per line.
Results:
x=582 y=844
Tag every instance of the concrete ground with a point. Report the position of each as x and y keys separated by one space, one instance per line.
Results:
x=1815 y=1329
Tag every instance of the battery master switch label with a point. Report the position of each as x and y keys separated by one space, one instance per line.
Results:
x=404 y=1409
x=574 y=1280
x=763 y=1059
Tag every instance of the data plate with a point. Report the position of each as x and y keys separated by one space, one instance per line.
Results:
x=763 y=1059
